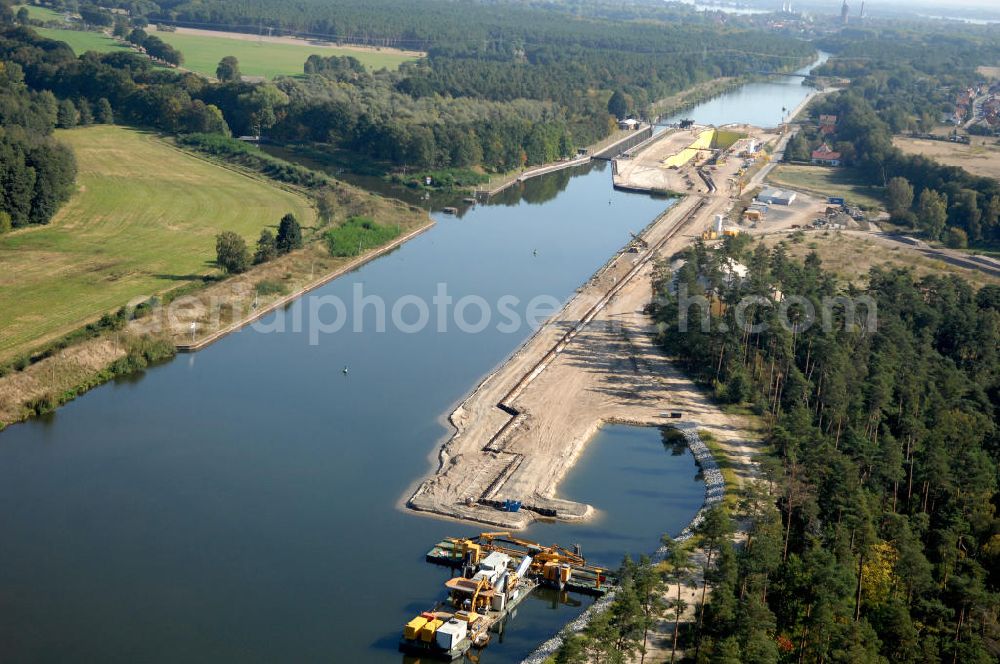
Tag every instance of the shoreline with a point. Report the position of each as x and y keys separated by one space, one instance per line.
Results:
x=249 y=319
x=487 y=456
x=714 y=494
x=595 y=151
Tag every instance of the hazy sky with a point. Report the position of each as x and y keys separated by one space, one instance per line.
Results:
x=936 y=7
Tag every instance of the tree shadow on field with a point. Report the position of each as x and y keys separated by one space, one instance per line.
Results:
x=183 y=277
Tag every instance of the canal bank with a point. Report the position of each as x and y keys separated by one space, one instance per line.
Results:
x=221 y=507
x=522 y=429
x=238 y=504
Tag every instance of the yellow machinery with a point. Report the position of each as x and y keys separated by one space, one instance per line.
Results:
x=427 y=631
x=471 y=552
x=505 y=542
x=412 y=629
x=477 y=592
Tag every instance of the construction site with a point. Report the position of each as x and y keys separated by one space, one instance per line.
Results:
x=695 y=159
x=596 y=361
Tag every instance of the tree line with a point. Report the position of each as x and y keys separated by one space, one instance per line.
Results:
x=36 y=171
x=233 y=255
x=875 y=537
x=530 y=95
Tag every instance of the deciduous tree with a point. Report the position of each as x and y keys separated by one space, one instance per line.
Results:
x=231 y=252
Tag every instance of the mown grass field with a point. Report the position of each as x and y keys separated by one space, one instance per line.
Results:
x=825 y=181
x=143 y=221
x=83 y=41
x=202 y=54
x=41 y=13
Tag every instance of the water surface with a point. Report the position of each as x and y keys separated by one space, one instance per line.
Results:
x=240 y=504
x=762 y=104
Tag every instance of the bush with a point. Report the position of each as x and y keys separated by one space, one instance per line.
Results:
x=270 y=287
x=253 y=158
x=267 y=248
x=957 y=238
x=358 y=234
x=442 y=179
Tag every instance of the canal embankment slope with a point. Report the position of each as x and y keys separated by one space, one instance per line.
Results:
x=596 y=361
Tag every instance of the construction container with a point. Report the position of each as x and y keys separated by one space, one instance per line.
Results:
x=412 y=629
x=427 y=631
x=449 y=635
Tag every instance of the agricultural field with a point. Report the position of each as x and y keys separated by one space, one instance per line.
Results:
x=825 y=181
x=276 y=57
x=989 y=72
x=82 y=41
x=41 y=13
x=142 y=222
x=982 y=157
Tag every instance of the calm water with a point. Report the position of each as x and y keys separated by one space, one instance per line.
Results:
x=759 y=104
x=239 y=505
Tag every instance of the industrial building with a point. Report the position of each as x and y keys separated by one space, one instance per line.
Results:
x=772 y=196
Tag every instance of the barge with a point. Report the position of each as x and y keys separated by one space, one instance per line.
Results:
x=497 y=573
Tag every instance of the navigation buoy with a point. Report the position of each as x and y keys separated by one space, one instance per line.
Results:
x=534 y=252
x=345 y=369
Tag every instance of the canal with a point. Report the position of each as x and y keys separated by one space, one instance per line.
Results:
x=241 y=504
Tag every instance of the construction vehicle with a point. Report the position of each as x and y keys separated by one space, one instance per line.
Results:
x=639 y=241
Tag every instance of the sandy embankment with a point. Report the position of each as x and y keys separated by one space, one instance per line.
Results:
x=523 y=428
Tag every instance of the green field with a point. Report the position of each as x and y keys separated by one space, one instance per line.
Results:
x=82 y=41
x=203 y=52
x=143 y=221
x=42 y=13
x=825 y=181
